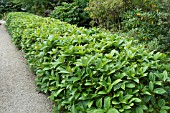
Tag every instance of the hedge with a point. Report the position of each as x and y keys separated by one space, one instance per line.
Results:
x=89 y=71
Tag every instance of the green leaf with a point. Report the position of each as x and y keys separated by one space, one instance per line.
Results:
x=135 y=91
x=58 y=92
x=159 y=91
x=74 y=79
x=161 y=102
x=73 y=109
x=45 y=79
x=123 y=86
x=144 y=107
x=116 y=82
x=88 y=84
x=151 y=77
x=126 y=107
x=98 y=111
x=144 y=69
x=56 y=63
x=47 y=68
x=163 y=111
x=165 y=107
x=102 y=92
x=139 y=110
x=157 y=55
x=147 y=98
x=113 y=110
x=118 y=94
x=107 y=102
x=98 y=63
x=165 y=75
x=109 y=88
x=137 y=100
x=115 y=102
x=146 y=93
x=103 y=83
x=92 y=58
x=127 y=97
x=99 y=103
x=136 y=80
x=130 y=85
x=151 y=86
x=62 y=70
x=90 y=103
x=158 y=83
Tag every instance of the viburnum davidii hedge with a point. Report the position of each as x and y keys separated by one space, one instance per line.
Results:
x=89 y=71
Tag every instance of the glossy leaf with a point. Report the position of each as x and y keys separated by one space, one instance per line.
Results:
x=113 y=110
x=159 y=91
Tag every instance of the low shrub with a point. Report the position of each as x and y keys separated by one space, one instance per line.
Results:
x=89 y=71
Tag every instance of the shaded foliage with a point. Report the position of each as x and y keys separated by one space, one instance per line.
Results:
x=73 y=13
x=8 y=6
x=39 y=7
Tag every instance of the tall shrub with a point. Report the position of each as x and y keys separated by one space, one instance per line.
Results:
x=146 y=20
x=106 y=13
x=152 y=25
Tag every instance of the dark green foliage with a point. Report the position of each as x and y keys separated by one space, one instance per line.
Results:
x=106 y=13
x=109 y=13
x=148 y=26
x=89 y=71
x=40 y=7
x=1 y=16
x=146 y=20
x=8 y=6
x=73 y=13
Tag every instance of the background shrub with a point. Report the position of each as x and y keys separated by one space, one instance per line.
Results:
x=148 y=26
x=8 y=6
x=73 y=13
x=106 y=13
x=109 y=14
x=86 y=70
x=146 y=20
x=39 y=7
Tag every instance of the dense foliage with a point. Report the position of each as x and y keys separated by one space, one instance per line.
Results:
x=148 y=26
x=89 y=71
x=109 y=14
x=106 y=13
x=8 y=6
x=40 y=7
x=146 y=20
x=73 y=13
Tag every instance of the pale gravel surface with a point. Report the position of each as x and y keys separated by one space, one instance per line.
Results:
x=17 y=87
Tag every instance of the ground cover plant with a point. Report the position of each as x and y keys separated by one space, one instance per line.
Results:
x=90 y=71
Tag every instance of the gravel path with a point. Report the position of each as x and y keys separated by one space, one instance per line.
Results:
x=17 y=88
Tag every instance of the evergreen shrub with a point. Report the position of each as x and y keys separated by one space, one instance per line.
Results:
x=89 y=71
